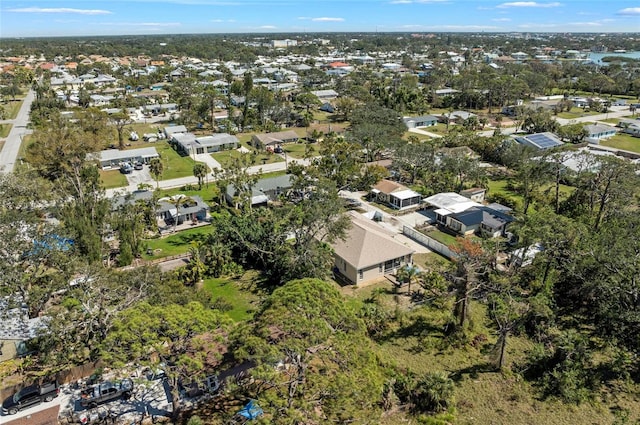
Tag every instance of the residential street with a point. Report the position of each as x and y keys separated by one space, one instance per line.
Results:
x=9 y=152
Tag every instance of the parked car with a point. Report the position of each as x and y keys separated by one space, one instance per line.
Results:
x=106 y=391
x=138 y=166
x=126 y=168
x=30 y=396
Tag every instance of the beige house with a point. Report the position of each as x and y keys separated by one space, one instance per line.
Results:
x=369 y=252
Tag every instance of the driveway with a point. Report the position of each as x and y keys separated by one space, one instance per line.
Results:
x=140 y=176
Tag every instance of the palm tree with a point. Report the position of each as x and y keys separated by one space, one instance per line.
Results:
x=200 y=171
x=156 y=168
x=178 y=201
x=407 y=274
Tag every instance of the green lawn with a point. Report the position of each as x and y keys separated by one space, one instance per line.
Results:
x=113 y=178
x=174 y=164
x=442 y=237
x=225 y=157
x=5 y=129
x=623 y=141
x=297 y=150
x=177 y=243
x=237 y=292
x=576 y=112
x=11 y=108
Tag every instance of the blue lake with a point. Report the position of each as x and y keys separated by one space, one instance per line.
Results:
x=597 y=57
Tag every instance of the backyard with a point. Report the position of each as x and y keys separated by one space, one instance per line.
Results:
x=623 y=141
x=237 y=295
x=301 y=150
x=576 y=112
x=175 y=244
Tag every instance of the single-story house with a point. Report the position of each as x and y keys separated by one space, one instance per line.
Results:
x=263 y=140
x=628 y=126
x=187 y=143
x=114 y=157
x=475 y=193
x=325 y=95
x=423 y=121
x=455 y=116
x=174 y=129
x=190 y=208
x=446 y=92
x=481 y=220
x=264 y=191
x=463 y=216
x=184 y=143
x=540 y=141
x=597 y=132
x=396 y=195
x=368 y=252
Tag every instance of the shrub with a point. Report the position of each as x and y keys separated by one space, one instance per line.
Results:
x=433 y=393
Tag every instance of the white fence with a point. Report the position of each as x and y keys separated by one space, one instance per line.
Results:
x=430 y=243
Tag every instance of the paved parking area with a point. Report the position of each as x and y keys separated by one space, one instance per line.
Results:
x=140 y=176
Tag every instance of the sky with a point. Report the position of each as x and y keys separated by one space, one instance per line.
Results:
x=44 y=18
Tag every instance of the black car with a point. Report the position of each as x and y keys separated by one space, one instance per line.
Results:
x=30 y=396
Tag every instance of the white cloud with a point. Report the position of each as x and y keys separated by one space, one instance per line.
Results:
x=528 y=4
x=60 y=10
x=222 y=20
x=304 y=18
x=630 y=11
x=326 y=19
x=267 y=27
x=501 y=19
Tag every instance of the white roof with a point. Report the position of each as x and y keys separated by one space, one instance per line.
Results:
x=405 y=194
x=115 y=154
x=452 y=202
x=443 y=211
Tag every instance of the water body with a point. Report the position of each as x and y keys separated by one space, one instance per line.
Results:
x=597 y=57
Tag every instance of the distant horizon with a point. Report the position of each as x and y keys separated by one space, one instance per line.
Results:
x=89 y=18
x=263 y=34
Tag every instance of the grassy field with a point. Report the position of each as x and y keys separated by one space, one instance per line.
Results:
x=177 y=243
x=5 y=129
x=623 y=141
x=113 y=178
x=298 y=150
x=11 y=108
x=174 y=164
x=576 y=112
x=262 y=158
x=240 y=293
x=416 y=343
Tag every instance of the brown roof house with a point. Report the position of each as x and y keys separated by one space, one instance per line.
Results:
x=368 y=252
x=395 y=195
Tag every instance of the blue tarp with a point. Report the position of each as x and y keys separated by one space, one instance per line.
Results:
x=251 y=411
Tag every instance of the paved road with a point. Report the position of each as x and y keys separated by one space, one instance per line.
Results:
x=424 y=132
x=182 y=181
x=9 y=153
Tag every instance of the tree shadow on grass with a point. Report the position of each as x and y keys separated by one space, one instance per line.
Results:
x=187 y=239
x=472 y=371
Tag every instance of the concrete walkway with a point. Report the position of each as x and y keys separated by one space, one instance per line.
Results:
x=424 y=133
x=208 y=159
